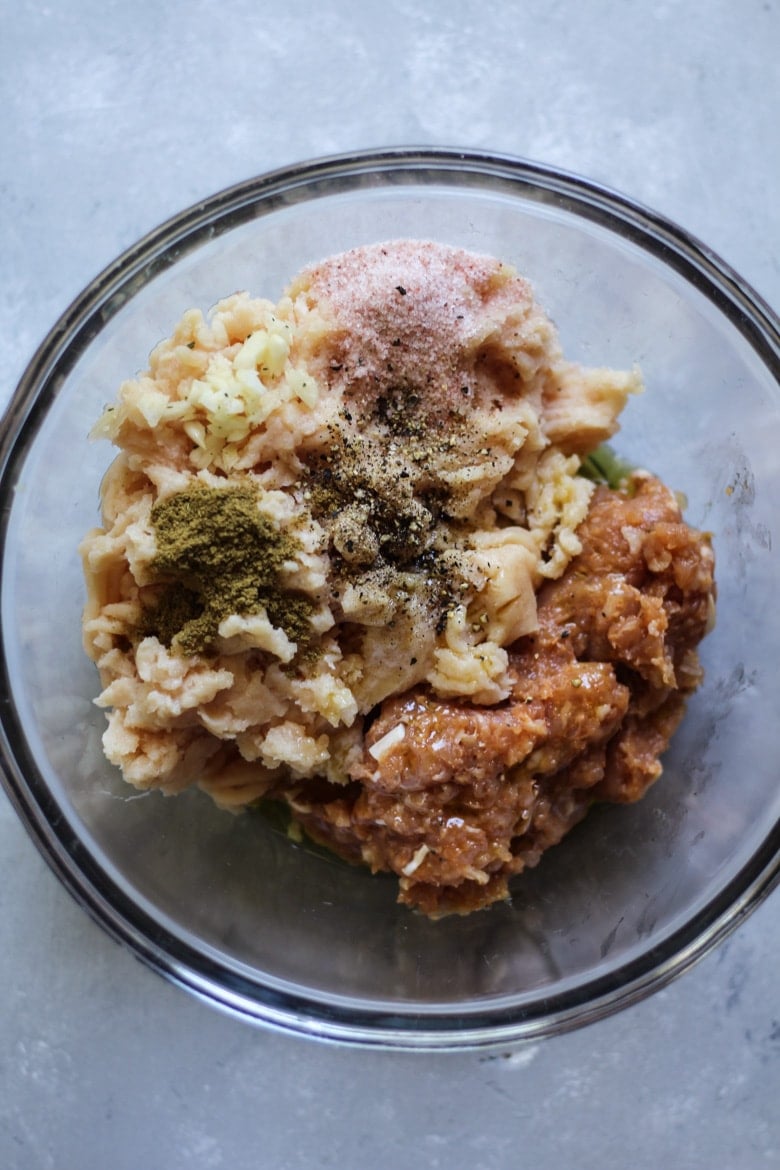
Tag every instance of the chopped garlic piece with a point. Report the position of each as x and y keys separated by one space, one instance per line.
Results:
x=388 y=741
x=416 y=862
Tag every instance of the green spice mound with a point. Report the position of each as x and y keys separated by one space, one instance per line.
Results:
x=218 y=555
x=605 y=466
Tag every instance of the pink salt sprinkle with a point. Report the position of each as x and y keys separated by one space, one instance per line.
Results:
x=409 y=312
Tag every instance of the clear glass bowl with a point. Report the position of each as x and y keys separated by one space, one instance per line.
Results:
x=241 y=916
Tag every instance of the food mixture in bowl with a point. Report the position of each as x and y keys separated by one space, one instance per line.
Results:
x=349 y=562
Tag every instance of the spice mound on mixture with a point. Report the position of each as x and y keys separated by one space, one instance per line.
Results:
x=349 y=562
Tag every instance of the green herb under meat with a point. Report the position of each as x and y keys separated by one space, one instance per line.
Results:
x=605 y=466
x=279 y=818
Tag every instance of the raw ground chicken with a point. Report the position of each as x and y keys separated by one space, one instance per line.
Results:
x=347 y=563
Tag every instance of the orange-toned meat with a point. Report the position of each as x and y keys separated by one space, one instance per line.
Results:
x=471 y=795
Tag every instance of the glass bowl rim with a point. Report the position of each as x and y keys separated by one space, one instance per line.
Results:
x=58 y=353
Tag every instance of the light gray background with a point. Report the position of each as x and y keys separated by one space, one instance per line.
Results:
x=115 y=116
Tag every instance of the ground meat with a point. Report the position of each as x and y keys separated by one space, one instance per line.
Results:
x=466 y=797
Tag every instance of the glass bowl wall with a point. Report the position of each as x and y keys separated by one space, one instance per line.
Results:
x=239 y=915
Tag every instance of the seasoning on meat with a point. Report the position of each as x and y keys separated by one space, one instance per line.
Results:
x=597 y=692
x=348 y=563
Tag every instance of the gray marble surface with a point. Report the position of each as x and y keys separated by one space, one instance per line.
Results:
x=117 y=115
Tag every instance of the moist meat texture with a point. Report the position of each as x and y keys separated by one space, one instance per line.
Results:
x=348 y=562
x=463 y=797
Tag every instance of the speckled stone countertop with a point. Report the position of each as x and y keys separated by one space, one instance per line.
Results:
x=115 y=116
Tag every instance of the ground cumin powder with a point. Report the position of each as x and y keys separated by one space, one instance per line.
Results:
x=218 y=555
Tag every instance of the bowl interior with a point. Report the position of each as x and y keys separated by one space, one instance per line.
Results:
x=266 y=918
